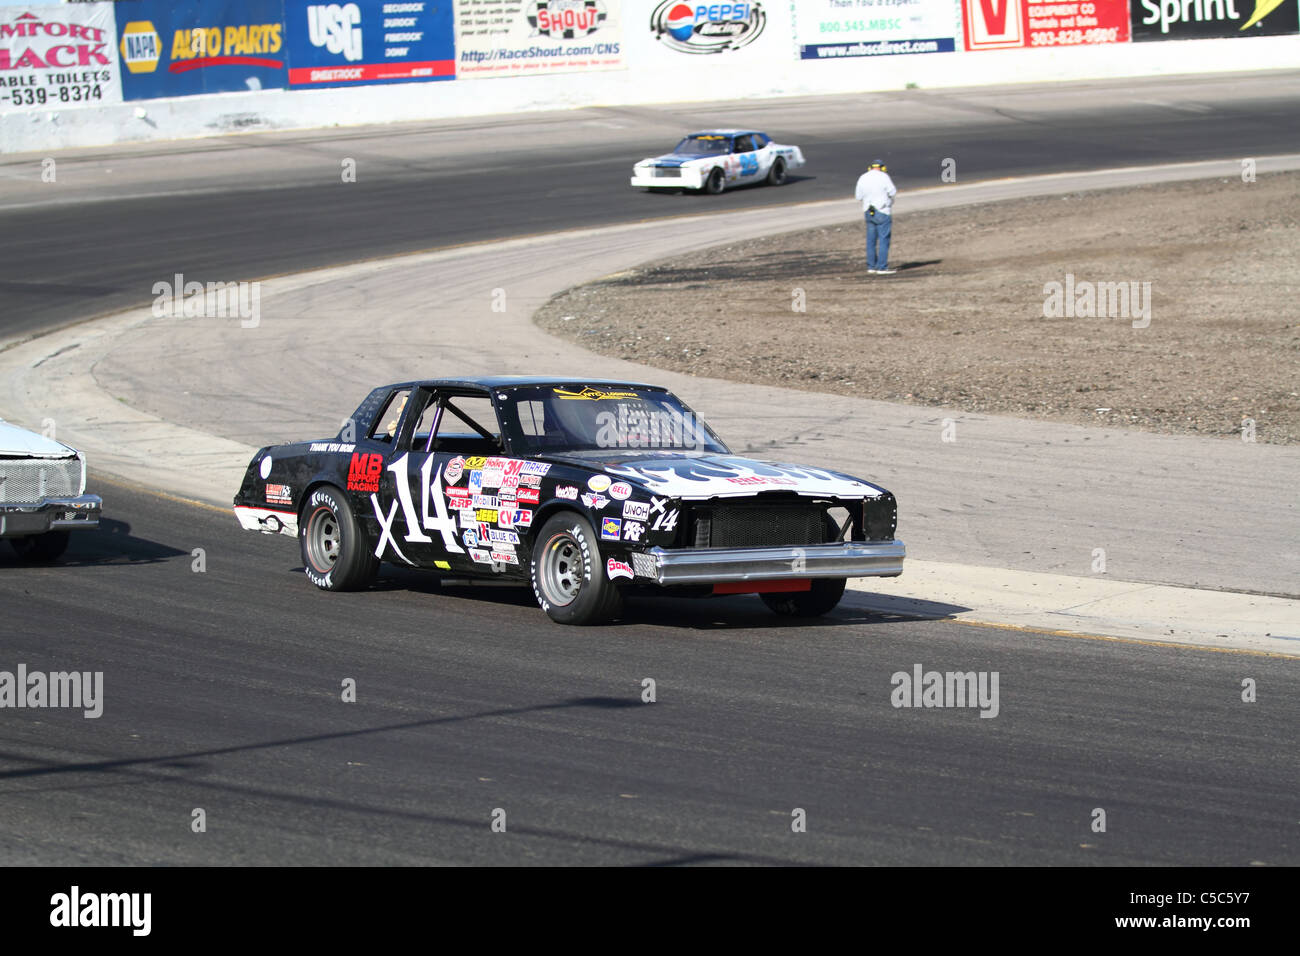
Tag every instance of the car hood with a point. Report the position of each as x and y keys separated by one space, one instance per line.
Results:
x=695 y=475
x=19 y=442
x=679 y=159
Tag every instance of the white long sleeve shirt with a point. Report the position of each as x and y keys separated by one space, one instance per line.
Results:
x=875 y=188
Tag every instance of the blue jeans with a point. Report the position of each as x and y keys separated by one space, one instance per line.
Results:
x=879 y=225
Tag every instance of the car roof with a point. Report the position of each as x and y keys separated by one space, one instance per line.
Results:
x=724 y=132
x=518 y=381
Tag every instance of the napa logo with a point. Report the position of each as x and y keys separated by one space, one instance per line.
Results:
x=140 y=46
x=707 y=28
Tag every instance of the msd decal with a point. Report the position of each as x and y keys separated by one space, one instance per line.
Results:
x=993 y=24
x=707 y=28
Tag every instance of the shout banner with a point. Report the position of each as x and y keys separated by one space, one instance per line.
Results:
x=1004 y=24
x=532 y=37
x=57 y=56
x=831 y=29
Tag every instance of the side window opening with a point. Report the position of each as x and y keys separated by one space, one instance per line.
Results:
x=386 y=422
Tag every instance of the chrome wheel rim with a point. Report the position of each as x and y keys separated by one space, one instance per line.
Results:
x=560 y=570
x=324 y=539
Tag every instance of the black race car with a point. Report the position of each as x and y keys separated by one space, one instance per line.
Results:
x=585 y=489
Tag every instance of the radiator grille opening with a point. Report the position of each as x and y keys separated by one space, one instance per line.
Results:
x=758 y=526
x=28 y=480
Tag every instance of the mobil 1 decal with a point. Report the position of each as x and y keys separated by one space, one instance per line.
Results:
x=1201 y=19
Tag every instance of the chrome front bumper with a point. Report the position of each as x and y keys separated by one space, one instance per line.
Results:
x=50 y=514
x=847 y=559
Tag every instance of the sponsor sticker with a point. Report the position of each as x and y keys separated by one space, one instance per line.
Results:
x=633 y=530
x=599 y=482
x=594 y=501
x=487 y=515
x=637 y=510
x=279 y=494
x=472 y=463
x=611 y=528
x=467 y=518
x=470 y=538
x=528 y=496
x=568 y=492
x=486 y=501
x=455 y=468
x=505 y=557
x=620 y=490
x=364 y=471
x=492 y=477
x=618 y=569
x=475 y=482
x=503 y=537
x=480 y=555
x=534 y=468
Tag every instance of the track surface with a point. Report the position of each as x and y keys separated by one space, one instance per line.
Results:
x=222 y=687
x=222 y=691
x=187 y=210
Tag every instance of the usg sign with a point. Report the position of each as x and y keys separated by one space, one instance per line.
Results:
x=707 y=28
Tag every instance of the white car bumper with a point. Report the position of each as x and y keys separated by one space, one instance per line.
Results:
x=667 y=177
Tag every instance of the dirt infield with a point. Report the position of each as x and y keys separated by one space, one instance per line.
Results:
x=962 y=324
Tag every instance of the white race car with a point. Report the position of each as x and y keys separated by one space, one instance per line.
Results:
x=713 y=160
x=42 y=493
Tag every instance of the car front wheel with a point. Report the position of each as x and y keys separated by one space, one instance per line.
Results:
x=41 y=547
x=776 y=175
x=822 y=598
x=568 y=575
x=715 y=183
x=335 y=553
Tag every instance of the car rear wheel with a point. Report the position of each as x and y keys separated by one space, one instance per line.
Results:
x=715 y=183
x=41 y=547
x=825 y=594
x=335 y=554
x=568 y=576
x=776 y=175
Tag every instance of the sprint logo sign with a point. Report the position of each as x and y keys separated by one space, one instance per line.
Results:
x=337 y=28
x=1201 y=19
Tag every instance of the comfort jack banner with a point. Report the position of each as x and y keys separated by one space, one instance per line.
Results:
x=57 y=56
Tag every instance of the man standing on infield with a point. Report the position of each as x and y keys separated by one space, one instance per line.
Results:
x=876 y=193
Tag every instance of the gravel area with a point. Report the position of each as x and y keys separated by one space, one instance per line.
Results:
x=962 y=324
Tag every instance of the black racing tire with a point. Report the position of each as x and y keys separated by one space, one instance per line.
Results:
x=41 y=547
x=715 y=183
x=568 y=574
x=335 y=553
x=776 y=175
x=824 y=596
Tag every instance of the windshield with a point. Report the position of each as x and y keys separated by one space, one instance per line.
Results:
x=564 y=418
x=703 y=145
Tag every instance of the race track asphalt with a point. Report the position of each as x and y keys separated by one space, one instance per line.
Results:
x=222 y=691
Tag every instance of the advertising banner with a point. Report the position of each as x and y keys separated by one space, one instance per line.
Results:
x=1007 y=24
x=532 y=37
x=832 y=29
x=1199 y=19
x=57 y=56
x=200 y=46
x=369 y=41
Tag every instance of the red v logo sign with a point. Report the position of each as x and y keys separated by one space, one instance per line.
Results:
x=995 y=20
